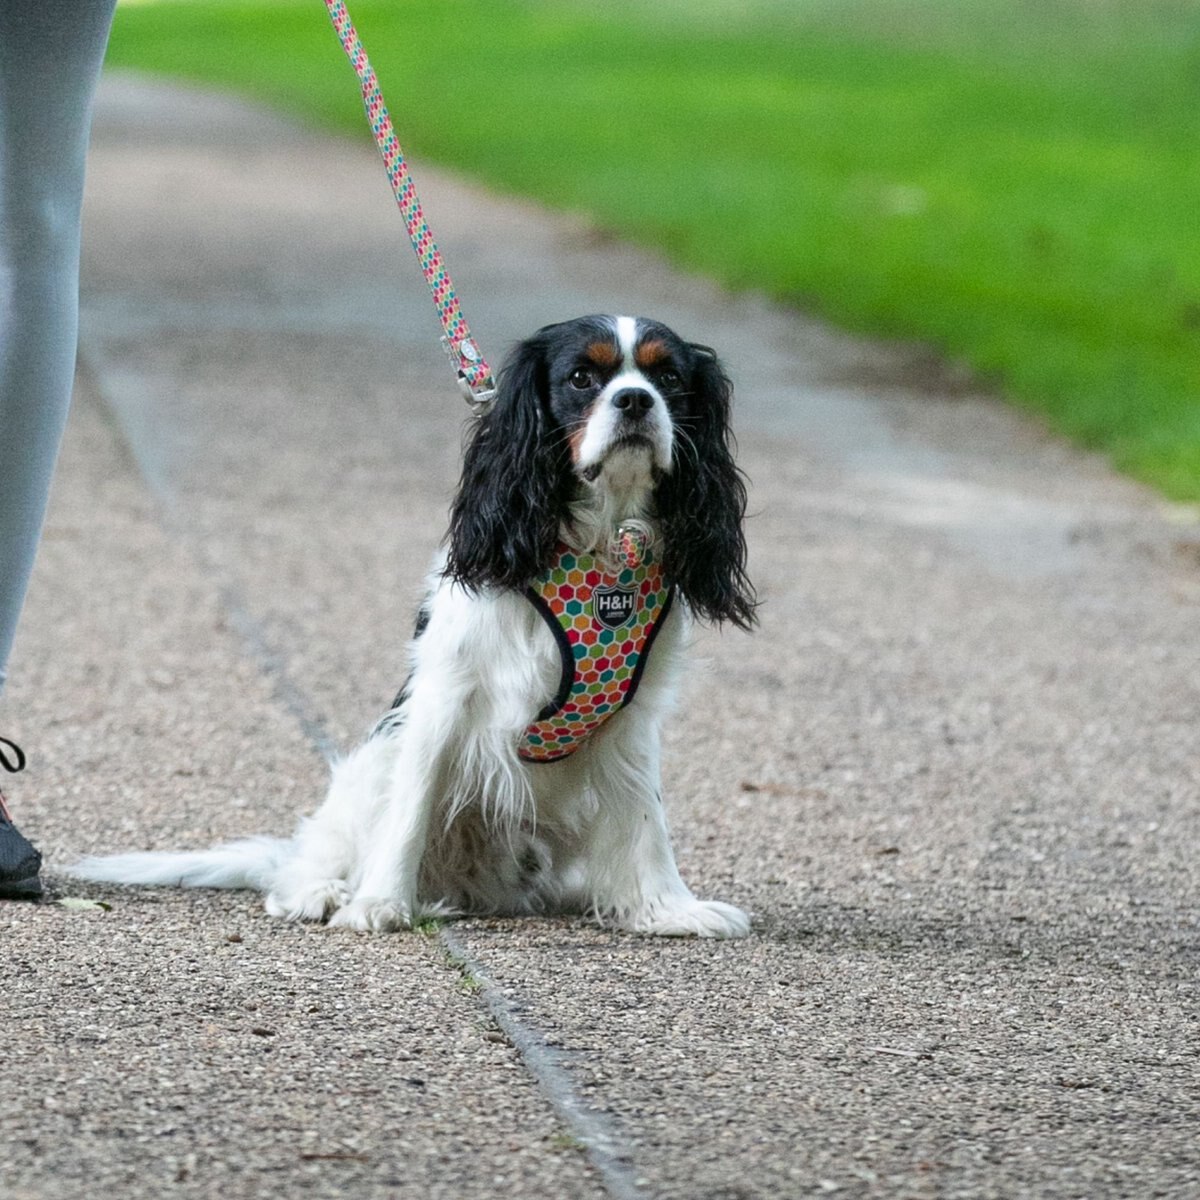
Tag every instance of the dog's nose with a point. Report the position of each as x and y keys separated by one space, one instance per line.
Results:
x=633 y=402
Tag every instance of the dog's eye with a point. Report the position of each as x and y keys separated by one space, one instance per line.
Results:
x=581 y=379
x=670 y=379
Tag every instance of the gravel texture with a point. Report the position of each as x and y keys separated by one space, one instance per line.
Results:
x=954 y=774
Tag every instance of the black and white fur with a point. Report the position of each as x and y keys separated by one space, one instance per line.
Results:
x=598 y=421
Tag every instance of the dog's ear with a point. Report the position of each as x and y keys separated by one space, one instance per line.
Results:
x=505 y=517
x=702 y=502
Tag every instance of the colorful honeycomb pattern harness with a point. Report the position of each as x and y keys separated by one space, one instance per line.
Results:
x=604 y=625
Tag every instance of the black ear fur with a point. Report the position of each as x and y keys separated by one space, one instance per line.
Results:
x=515 y=481
x=702 y=503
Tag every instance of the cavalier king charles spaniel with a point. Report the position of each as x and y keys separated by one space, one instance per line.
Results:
x=517 y=772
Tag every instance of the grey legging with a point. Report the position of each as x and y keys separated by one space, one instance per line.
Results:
x=50 y=56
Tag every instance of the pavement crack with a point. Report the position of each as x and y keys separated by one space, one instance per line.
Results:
x=155 y=474
x=584 y=1125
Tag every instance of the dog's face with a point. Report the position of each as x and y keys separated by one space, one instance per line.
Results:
x=607 y=407
x=616 y=386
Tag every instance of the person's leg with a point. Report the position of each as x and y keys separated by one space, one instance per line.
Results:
x=50 y=56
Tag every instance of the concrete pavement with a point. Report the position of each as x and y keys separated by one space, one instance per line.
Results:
x=954 y=775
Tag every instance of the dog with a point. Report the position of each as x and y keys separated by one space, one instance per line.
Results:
x=600 y=512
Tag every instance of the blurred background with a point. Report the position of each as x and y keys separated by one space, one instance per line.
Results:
x=1015 y=182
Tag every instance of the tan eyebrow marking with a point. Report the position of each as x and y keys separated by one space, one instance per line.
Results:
x=651 y=353
x=603 y=354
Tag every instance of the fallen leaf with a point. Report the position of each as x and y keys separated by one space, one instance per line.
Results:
x=82 y=904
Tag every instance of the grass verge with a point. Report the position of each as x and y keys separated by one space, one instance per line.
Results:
x=1015 y=181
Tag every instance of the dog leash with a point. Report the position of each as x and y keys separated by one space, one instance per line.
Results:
x=471 y=368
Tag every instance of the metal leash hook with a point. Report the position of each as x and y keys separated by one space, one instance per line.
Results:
x=471 y=368
x=465 y=355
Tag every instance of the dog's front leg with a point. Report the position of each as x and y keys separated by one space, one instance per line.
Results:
x=385 y=897
x=628 y=866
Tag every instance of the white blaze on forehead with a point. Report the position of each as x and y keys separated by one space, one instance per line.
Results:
x=629 y=374
x=627 y=338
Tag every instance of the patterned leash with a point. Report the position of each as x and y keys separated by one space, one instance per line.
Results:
x=474 y=374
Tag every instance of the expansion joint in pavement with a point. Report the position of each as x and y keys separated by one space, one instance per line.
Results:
x=590 y=1128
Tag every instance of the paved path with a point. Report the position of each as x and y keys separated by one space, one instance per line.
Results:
x=954 y=775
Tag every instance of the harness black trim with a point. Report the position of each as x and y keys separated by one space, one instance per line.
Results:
x=565 y=653
x=567 y=681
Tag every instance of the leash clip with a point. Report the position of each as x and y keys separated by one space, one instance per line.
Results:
x=480 y=402
x=466 y=352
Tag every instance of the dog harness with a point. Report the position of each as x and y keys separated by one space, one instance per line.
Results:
x=604 y=625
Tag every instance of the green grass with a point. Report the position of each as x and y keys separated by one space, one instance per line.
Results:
x=1015 y=181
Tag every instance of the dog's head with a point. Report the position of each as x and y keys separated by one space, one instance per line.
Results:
x=615 y=415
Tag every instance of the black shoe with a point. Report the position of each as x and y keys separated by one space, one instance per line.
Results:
x=19 y=861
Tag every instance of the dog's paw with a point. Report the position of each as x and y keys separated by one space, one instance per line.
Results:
x=689 y=917
x=372 y=915
x=312 y=902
